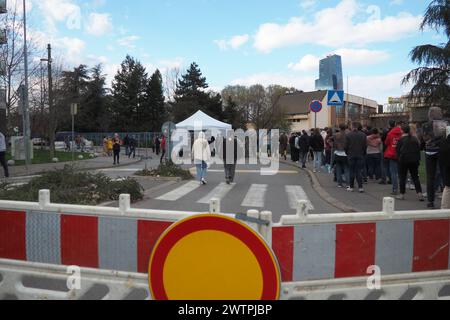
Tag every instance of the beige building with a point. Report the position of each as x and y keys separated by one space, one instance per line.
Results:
x=296 y=108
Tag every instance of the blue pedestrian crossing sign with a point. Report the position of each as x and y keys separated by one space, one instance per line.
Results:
x=335 y=98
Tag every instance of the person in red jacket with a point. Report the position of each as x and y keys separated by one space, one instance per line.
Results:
x=390 y=154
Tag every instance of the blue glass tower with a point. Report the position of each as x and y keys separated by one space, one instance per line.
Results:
x=331 y=76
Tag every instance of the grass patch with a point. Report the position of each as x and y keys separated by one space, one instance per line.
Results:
x=69 y=186
x=169 y=170
x=43 y=156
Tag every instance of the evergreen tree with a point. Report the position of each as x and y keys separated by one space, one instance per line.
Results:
x=155 y=113
x=191 y=96
x=129 y=90
x=74 y=86
x=94 y=115
x=233 y=115
x=432 y=79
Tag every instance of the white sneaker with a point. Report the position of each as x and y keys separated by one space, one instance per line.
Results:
x=350 y=189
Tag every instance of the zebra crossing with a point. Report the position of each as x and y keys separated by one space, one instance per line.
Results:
x=256 y=195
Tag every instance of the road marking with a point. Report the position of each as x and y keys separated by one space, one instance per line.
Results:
x=193 y=171
x=180 y=192
x=219 y=192
x=255 y=196
x=295 y=194
x=119 y=170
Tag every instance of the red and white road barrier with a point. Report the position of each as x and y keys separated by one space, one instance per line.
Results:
x=322 y=247
x=308 y=247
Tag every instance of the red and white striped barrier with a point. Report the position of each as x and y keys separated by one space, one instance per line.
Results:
x=308 y=247
x=322 y=247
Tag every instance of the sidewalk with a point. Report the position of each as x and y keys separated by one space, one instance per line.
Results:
x=369 y=201
x=89 y=164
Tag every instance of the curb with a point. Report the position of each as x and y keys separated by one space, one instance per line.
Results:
x=322 y=192
x=82 y=169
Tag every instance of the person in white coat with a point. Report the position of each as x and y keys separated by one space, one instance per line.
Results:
x=201 y=153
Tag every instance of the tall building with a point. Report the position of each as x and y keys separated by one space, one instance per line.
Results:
x=331 y=77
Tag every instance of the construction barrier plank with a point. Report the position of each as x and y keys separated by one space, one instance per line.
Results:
x=43 y=237
x=12 y=235
x=148 y=234
x=431 y=245
x=395 y=246
x=118 y=244
x=283 y=247
x=315 y=250
x=355 y=249
x=79 y=241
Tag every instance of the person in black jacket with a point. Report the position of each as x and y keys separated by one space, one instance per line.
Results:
x=409 y=154
x=303 y=144
x=445 y=160
x=116 y=150
x=318 y=146
x=230 y=156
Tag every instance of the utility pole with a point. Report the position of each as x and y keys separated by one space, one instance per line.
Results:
x=26 y=114
x=52 y=128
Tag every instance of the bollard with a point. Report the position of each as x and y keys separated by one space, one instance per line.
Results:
x=214 y=206
x=44 y=198
x=389 y=206
x=124 y=203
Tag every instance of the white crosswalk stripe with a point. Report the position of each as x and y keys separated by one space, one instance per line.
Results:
x=180 y=192
x=295 y=194
x=255 y=197
x=219 y=192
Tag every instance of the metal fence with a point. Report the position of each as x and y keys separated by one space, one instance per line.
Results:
x=143 y=139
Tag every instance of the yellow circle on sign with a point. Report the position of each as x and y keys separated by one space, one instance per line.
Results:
x=226 y=256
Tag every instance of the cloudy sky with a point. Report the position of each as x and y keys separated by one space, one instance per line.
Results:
x=241 y=42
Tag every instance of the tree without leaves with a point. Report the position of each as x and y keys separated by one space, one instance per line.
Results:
x=258 y=105
x=432 y=79
x=12 y=54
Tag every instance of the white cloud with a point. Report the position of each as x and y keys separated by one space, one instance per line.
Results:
x=335 y=27
x=61 y=11
x=128 y=41
x=353 y=57
x=233 y=43
x=350 y=57
x=307 y=4
x=266 y=79
x=99 y=24
x=72 y=48
x=307 y=63
x=379 y=87
x=376 y=87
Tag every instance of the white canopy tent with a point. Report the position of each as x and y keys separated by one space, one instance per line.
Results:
x=202 y=121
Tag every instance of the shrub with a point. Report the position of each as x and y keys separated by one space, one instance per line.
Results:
x=169 y=170
x=70 y=186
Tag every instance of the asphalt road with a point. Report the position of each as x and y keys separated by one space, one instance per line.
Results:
x=276 y=193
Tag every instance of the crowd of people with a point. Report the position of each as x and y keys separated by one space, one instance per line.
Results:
x=389 y=156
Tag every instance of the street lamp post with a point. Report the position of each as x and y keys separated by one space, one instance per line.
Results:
x=26 y=113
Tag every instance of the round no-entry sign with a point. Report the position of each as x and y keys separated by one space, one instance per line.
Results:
x=316 y=106
x=211 y=257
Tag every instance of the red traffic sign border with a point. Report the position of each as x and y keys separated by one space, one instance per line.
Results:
x=316 y=103
x=264 y=255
